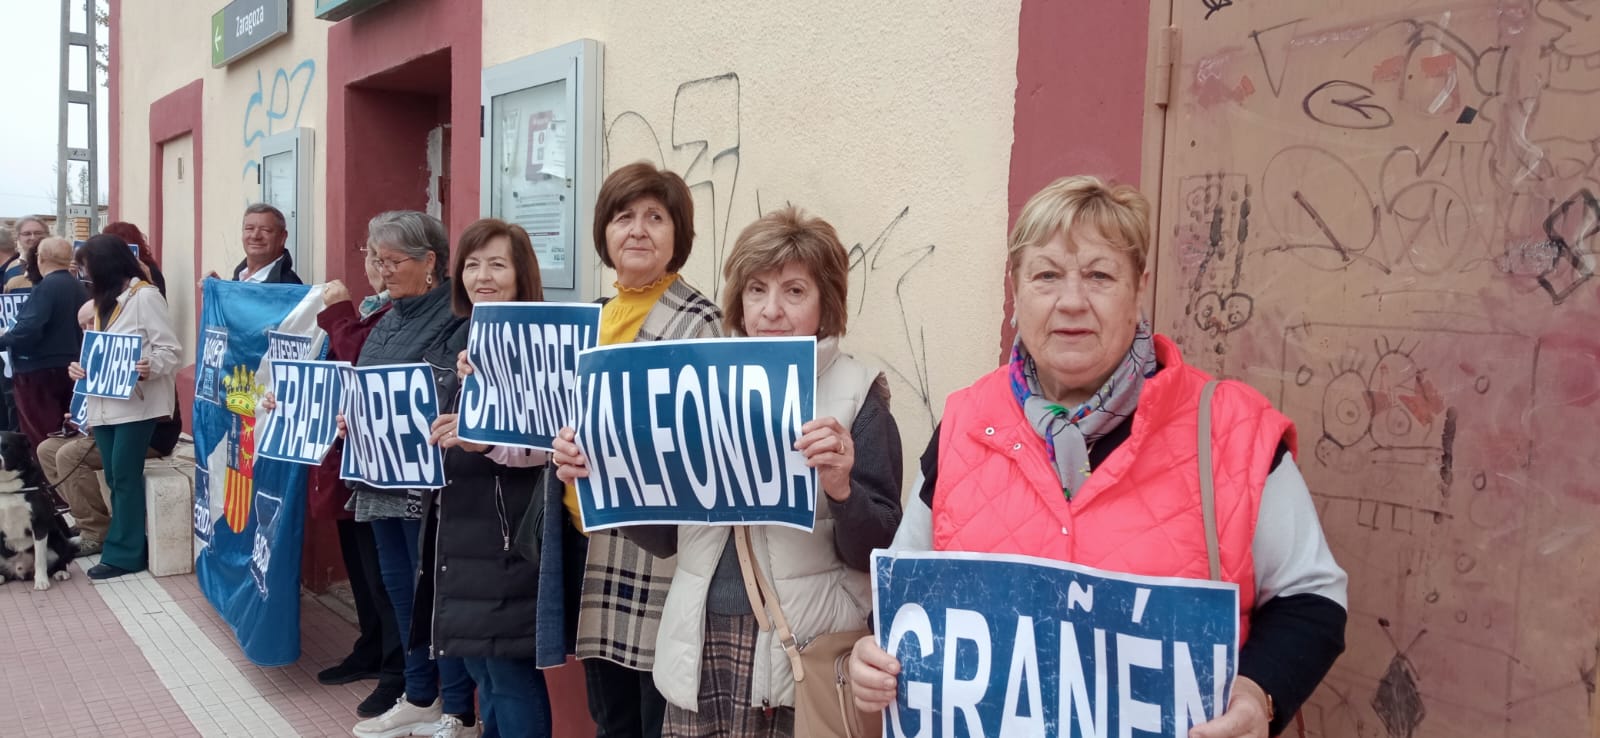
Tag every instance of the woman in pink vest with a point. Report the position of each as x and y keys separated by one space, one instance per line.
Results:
x=1083 y=448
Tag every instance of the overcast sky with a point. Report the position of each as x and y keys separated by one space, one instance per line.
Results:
x=30 y=57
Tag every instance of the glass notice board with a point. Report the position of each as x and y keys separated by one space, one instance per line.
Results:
x=529 y=153
x=541 y=159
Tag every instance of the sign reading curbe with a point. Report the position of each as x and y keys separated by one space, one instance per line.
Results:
x=697 y=431
x=388 y=411
x=242 y=26
x=109 y=362
x=303 y=427
x=1002 y=645
x=524 y=357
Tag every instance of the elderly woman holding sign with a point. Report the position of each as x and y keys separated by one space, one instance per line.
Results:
x=124 y=303
x=412 y=252
x=644 y=229
x=720 y=656
x=1084 y=449
x=476 y=597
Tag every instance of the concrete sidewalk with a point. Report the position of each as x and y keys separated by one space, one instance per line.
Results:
x=139 y=656
x=147 y=656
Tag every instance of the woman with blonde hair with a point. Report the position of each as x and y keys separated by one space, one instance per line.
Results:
x=1084 y=448
x=720 y=659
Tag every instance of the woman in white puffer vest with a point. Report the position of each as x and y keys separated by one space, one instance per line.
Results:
x=721 y=673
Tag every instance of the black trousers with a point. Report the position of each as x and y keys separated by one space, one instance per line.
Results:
x=8 y=406
x=378 y=646
x=623 y=702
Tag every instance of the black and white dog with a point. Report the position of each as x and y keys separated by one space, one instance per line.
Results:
x=34 y=539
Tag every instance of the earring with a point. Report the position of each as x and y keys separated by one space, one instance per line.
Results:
x=430 y=280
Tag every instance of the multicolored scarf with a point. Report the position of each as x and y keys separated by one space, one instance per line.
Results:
x=1068 y=432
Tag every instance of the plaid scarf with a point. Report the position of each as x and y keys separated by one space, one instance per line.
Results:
x=1068 y=432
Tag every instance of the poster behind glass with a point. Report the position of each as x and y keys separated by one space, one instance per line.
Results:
x=278 y=190
x=531 y=155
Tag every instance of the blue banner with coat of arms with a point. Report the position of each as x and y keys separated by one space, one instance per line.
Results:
x=249 y=512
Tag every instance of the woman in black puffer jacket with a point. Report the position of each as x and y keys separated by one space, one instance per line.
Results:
x=476 y=596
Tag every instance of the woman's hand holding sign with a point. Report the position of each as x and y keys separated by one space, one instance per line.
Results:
x=873 y=675
x=826 y=444
x=1248 y=715
x=443 y=435
x=75 y=371
x=571 y=464
x=143 y=367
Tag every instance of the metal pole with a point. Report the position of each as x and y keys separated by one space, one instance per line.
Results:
x=61 y=134
x=92 y=84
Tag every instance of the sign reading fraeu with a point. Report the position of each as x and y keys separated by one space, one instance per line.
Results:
x=303 y=427
x=524 y=358
x=10 y=306
x=242 y=26
x=110 y=364
x=388 y=411
x=697 y=431
x=1003 y=645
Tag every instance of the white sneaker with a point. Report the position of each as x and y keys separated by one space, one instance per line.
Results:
x=401 y=720
x=450 y=727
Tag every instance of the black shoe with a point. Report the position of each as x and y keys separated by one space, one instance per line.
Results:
x=107 y=571
x=344 y=673
x=381 y=699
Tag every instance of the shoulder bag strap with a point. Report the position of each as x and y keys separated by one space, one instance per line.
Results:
x=760 y=593
x=1208 y=491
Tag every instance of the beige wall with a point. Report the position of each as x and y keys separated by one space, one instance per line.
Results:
x=164 y=47
x=892 y=120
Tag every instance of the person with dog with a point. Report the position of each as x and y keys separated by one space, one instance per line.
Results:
x=124 y=303
x=44 y=340
x=69 y=460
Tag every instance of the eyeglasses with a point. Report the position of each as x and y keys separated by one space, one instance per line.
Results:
x=389 y=265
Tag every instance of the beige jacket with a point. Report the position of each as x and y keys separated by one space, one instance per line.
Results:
x=818 y=593
x=143 y=312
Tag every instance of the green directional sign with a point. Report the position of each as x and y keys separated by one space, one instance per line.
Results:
x=216 y=39
x=244 y=26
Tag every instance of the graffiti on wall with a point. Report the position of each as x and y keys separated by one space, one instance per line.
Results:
x=1389 y=223
x=272 y=108
x=701 y=140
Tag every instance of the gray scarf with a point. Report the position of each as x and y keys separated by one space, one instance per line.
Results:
x=1068 y=432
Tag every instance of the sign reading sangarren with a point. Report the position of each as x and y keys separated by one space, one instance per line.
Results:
x=243 y=26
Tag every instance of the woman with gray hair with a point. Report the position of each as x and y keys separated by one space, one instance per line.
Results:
x=412 y=253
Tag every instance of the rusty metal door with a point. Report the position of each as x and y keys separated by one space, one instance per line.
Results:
x=1383 y=215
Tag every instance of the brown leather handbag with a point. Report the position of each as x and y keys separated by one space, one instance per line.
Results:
x=824 y=706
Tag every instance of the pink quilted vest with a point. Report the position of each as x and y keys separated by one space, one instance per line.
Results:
x=1139 y=512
